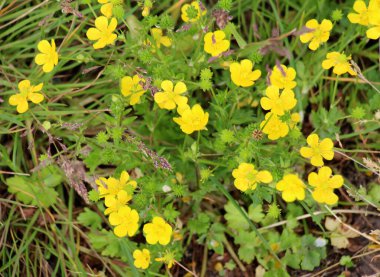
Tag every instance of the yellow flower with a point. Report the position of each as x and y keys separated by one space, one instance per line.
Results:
x=292 y=188
x=242 y=74
x=324 y=185
x=27 y=92
x=126 y=221
x=194 y=119
x=111 y=187
x=170 y=98
x=168 y=259
x=142 y=258
x=103 y=32
x=319 y=33
x=106 y=8
x=188 y=16
x=318 y=150
x=159 y=38
x=374 y=19
x=274 y=127
x=362 y=15
x=276 y=103
x=48 y=57
x=115 y=202
x=131 y=87
x=158 y=231
x=215 y=44
x=247 y=177
x=283 y=78
x=340 y=62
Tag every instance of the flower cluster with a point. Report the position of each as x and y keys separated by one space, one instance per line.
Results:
x=117 y=194
x=48 y=58
x=276 y=123
x=367 y=16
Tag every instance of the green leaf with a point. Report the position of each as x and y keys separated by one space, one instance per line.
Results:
x=234 y=218
x=256 y=213
x=199 y=225
x=170 y=213
x=247 y=242
x=23 y=191
x=90 y=219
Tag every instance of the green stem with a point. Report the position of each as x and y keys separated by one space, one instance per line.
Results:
x=332 y=99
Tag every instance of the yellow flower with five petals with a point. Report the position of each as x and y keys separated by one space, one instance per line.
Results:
x=159 y=38
x=318 y=34
x=215 y=43
x=126 y=221
x=142 y=258
x=247 y=177
x=242 y=74
x=48 y=57
x=103 y=32
x=158 y=231
x=192 y=119
x=318 y=150
x=292 y=188
x=339 y=62
x=283 y=77
x=27 y=93
x=324 y=184
x=171 y=96
x=278 y=103
x=131 y=87
x=187 y=15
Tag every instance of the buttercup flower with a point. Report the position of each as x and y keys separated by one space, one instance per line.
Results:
x=374 y=19
x=142 y=258
x=159 y=38
x=242 y=74
x=27 y=93
x=362 y=15
x=169 y=98
x=103 y=32
x=274 y=127
x=192 y=12
x=340 y=62
x=194 y=119
x=292 y=188
x=324 y=185
x=126 y=221
x=115 y=202
x=111 y=187
x=283 y=78
x=215 y=44
x=106 y=8
x=318 y=34
x=318 y=150
x=131 y=87
x=276 y=103
x=168 y=259
x=247 y=177
x=158 y=231
x=48 y=57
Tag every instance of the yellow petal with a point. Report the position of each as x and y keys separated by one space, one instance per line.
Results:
x=373 y=33
x=38 y=87
x=48 y=67
x=40 y=59
x=180 y=88
x=312 y=24
x=313 y=140
x=167 y=85
x=24 y=85
x=93 y=34
x=316 y=160
x=313 y=179
x=113 y=24
x=106 y=10
x=264 y=176
x=326 y=25
x=44 y=46
x=36 y=97
x=246 y=65
x=22 y=105
x=306 y=152
x=121 y=230
x=101 y=23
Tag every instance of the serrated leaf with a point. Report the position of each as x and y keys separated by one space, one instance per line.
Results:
x=234 y=218
x=199 y=225
x=90 y=219
x=256 y=213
